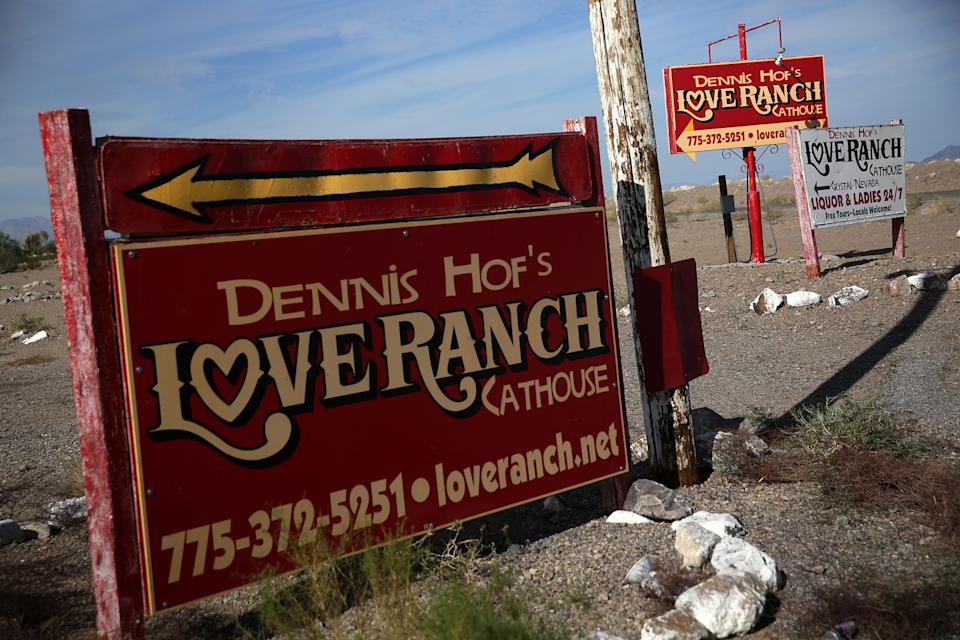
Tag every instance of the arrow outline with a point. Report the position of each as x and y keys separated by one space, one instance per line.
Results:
x=137 y=193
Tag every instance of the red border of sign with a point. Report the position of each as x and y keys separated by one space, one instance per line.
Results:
x=126 y=355
x=77 y=213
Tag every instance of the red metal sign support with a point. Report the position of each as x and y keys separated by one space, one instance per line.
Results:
x=753 y=197
x=749 y=153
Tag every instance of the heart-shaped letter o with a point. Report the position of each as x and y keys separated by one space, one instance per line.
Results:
x=225 y=361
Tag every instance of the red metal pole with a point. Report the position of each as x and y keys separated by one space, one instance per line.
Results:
x=753 y=197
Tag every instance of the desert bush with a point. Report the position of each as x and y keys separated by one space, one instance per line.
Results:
x=404 y=589
x=28 y=324
x=10 y=253
x=862 y=425
x=938 y=206
x=669 y=198
x=39 y=245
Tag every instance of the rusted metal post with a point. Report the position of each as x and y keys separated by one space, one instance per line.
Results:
x=753 y=196
x=635 y=173
x=726 y=208
x=808 y=236
x=94 y=356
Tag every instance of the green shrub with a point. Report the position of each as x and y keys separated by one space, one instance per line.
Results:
x=10 y=253
x=861 y=425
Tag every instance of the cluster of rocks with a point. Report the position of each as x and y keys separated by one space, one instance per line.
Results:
x=769 y=301
x=60 y=514
x=29 y=339
x=737 y=577
x=26 y=294
x=926 y=281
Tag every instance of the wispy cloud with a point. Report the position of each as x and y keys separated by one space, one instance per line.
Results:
x=376 y=68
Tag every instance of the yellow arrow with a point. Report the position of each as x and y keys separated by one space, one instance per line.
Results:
x=683 y=140
x=187 y=190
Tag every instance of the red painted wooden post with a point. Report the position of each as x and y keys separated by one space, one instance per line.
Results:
x=811 y=256
x=94 y=356
x=613 y=491
x=586 y=126
x=899 y=236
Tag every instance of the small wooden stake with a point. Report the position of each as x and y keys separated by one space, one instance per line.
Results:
x=727 y=221
x=632 y=150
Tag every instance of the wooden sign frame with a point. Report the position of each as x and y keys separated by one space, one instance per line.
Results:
x=79 y=197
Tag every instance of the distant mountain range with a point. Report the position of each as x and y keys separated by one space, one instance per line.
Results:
x=20 y=228
x=950 y=152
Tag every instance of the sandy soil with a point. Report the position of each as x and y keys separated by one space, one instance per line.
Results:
x=903 y=350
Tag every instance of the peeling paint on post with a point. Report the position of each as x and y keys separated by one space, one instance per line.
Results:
x=94 y=355
x=635 y=174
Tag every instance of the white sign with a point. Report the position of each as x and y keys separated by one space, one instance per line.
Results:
x=853 y=174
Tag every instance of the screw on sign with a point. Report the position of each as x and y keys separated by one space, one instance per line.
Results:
x=287 y=394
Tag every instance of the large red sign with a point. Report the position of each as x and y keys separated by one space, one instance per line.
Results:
x=347 y=384
x=727 y=105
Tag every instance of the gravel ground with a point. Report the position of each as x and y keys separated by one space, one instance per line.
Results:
x=572 y=564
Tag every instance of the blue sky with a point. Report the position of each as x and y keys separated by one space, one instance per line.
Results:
x=379 y=68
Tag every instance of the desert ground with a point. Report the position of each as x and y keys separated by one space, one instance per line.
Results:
x=887 y=560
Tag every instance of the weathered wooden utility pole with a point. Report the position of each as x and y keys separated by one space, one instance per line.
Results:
x=635 y=173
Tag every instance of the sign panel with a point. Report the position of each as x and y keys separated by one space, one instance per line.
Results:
x=168 y=186
x=853 y=174
x=344 y=385
x=727 y=105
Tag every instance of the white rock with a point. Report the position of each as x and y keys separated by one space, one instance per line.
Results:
x=847 y=295
x=721 y=524
x=38 y=530
x=694 y=544
x=958 y=233
x=768 y=301
x=674 y=625
x=65 y=512
x=954 y=283
x=600 y=635
x=16 y=334
x=552 y=504
x=725 y=604
x=627 y=517
x=802 y=298
x=10 y=532
x=624 y=312
x=641 y=569
x=37 y=337
x=928 y=281
x=734 y=555
x=653 y=500
x=644 y=573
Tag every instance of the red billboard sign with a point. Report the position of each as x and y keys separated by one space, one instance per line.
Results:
x=727 y=105
x=358 y=382
x=248 y=384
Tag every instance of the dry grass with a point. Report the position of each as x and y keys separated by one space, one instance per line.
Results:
x=854 y=450
x=895 y=608
x=29 y=360
x=404 y=589
x=938 y=205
